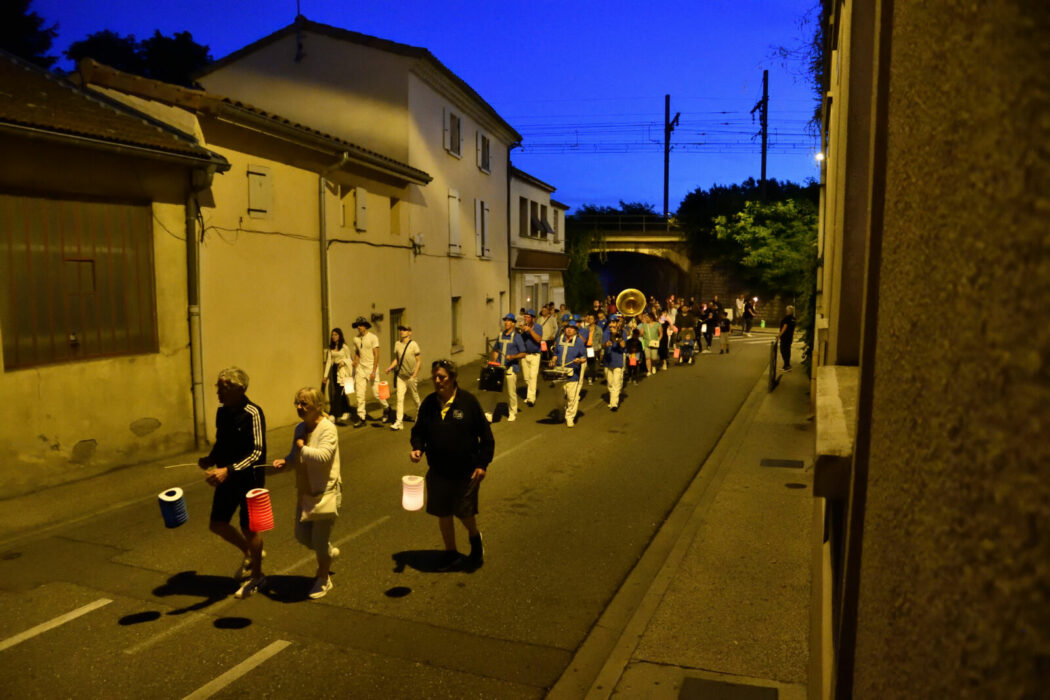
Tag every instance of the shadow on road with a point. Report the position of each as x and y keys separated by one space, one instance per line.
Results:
x=190 y=583
x=288 y=589
x=429 y=561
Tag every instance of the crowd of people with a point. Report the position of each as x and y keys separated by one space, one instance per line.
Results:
x=452 y=428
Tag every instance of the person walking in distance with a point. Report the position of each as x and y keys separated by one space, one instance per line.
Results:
x=452 y=431
x=338 y=369
x=615 y=343
x=366 y=362
x=532 y=335
x=786 y=336
x=571 y=354
x=749 y=314
x=318 y=483
x=405 y=367
x=235 y=466
x=509 y=351
x=738 y=312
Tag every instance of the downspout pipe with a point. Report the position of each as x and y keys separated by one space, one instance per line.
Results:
x=510 y=257
x=322 y=229
x=199 y=180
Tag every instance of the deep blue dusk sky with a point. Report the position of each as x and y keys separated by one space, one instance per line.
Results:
x=583 y=82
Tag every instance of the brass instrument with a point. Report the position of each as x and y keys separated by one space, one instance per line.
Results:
x=630 y=302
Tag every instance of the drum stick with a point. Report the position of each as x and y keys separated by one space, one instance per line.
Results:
x=187 y=464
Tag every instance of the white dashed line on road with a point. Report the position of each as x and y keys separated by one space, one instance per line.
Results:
x=52 y=624
x=214 y=686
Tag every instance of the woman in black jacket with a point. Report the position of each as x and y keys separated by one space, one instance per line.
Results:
x=452 y=430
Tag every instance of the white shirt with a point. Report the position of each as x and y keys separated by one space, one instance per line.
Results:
x=364 y=345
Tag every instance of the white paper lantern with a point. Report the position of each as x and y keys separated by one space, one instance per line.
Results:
x=411 y=492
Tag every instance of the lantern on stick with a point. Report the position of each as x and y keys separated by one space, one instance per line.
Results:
x=260 y=511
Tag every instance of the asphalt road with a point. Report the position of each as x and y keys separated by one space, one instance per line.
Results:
x=118 y=606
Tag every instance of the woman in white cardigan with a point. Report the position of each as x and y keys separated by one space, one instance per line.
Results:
x=338 y=370
x=319 y=486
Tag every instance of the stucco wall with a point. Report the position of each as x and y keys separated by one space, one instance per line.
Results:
x=66 y=421
x=954 y=581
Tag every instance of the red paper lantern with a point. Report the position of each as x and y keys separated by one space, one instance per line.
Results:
x=260 y=512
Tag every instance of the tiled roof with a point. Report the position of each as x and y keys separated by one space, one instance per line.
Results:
x=35 y=99
x=94 y=73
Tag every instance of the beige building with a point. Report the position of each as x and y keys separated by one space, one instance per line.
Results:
x=931 y=364
x=97 y=362
x=401 y=101
x=537 y=243
x=271 y=233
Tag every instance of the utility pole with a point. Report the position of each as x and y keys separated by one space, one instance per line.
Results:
x=763 y=120
x=669 y=125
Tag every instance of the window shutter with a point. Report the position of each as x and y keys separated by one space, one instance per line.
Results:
x=478 y=139
x=479 y=231
x=260 y=191
x=360 y=209
x=486 y=232
x=446 y=135
x=453 y=222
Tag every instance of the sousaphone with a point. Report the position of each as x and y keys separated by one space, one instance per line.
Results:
x=630 y=302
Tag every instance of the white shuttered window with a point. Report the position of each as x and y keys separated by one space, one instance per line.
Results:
x=454 y=245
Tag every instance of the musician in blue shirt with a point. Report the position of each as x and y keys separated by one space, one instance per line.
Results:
x=614 y=340
x=531 y=334
x=570 y=353
x=509 y=350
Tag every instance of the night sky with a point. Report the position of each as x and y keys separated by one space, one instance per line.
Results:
x=583 y=82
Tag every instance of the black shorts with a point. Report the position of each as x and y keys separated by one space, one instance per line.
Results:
x=445 y=497
x=229 y=495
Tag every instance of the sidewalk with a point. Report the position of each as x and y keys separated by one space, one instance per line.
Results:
x=718 y=606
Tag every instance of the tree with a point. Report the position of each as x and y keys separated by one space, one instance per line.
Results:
x=175 y=59
x=700 y=207
x=777 y=243
x=23 y=33
x=110 y=48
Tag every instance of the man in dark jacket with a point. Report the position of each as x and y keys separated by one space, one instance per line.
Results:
x=786 y=336
x=452 y=430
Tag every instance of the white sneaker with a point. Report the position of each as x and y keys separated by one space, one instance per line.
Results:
x=249 y=587
x=488 y=416
x=334 y=554
x=396 y=426
x=570 y=424
x=320 y=588
x=512 y=417
x=246 y=568
x=345 y=416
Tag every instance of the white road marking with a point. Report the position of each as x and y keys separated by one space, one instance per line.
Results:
x=214 y=686
x=357 y=533
x=52 y=624
x=191 y=618
x=517 y=446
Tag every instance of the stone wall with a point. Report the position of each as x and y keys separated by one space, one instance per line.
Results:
x=955 y=581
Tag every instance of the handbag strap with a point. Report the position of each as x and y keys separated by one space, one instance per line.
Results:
x=401 y=361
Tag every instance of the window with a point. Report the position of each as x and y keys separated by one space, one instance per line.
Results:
x=454 y=246
x=534 y=216
x=483 y=152
x=555 y=216
x=545 y=226
x=481 y=228
x=523 y=216
x=355 y=208
x=260 y=192
x=79 y=280
x=457 y=340
x=453 y=133
x=397 y=317
x=398 y=216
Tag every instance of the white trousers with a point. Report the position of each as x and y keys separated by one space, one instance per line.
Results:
x=511 y=380
x=404 y=386
x=530 y=367
x=361 y=384
x=614 y=380
x=572 y=399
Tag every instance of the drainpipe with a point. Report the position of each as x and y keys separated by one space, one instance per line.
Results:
x=199 y=180
x=323 y=238
x=510 y=262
